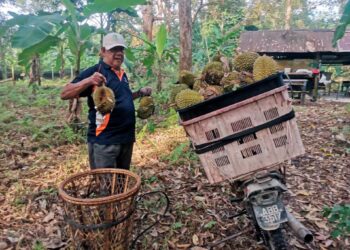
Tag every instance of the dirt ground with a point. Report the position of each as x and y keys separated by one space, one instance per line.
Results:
x=31 y=214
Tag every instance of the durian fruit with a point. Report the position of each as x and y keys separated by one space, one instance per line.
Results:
x=264 y=66
x=146 y=107
x=186 y=77
x=198 y=84
x=245 y=61
x=246 y=78
x=104 y=99
x=231 y=81
x=211 y=91
x=187 y=98
x=217 y=57
x=175 y=90
x=213 y=73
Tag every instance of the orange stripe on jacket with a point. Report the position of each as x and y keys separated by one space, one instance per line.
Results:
x=103 y=125
x=119 y=73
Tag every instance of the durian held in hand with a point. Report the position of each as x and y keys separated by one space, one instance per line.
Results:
x=104 y=99
x=146 y=107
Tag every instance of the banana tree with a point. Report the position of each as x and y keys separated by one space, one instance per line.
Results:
x=35 y=35
x=155 y=54
x=344 y=21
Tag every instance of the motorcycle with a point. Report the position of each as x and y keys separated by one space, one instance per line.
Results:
x=263 y=202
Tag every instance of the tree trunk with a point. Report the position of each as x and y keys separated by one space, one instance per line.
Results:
x=148 y=19
x=13 y=74
x=165 y=13
x=288 y=14
x=62 y=62
x=75 y=105
x=159 y=76
x=38 y=72
x=2 y=61
x=34 y=74
x=185 y=34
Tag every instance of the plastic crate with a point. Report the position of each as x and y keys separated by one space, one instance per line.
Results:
x=242 y=132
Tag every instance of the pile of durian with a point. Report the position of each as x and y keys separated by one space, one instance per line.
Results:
x=221 y=76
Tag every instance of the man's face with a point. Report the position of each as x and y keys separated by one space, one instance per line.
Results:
x=114 y=57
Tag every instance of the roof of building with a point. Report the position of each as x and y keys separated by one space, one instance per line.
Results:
x=292 y=41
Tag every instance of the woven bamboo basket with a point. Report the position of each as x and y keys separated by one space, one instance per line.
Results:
x=99 y=206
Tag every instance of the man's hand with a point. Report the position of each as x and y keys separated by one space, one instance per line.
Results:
x=145 y=91
x=97 y=79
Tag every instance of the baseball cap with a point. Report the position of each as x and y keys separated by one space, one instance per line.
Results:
x=112 y=40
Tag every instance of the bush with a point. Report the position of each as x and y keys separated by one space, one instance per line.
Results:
x=339 y=216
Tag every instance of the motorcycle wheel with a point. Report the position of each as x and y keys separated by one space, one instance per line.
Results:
x=277 y=240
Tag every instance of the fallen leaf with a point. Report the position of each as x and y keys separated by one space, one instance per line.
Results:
x=322 y=225
x=185 y=246
x=321 y=237
x=328 y=243
x=297 y=244
x=199 y=198
x=154 y=233
x=195 y=239
x=3 y=245
x=303 y=192
x=49 y=217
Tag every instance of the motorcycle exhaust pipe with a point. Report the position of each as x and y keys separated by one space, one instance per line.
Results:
x=302 y=232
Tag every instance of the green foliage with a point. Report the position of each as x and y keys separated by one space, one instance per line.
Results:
x=176 y=225
x=33 y=28
x=347 y=108
x=37 y=117
x=153 y=55
x=151 y=180
x=161 y=39
x=100 y=6
x=171 y=120
x=181 y=154
x=38 y=245
x=343 y=23
x=339 y=216
x=210 y=224
x=149 y=127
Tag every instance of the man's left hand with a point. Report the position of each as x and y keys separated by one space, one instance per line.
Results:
x=145 y=91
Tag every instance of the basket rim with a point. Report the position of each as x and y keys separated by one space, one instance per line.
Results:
x=103 y=200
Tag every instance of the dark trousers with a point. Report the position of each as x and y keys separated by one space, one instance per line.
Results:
x=110 y=156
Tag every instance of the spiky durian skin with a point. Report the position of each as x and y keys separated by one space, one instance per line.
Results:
x=231 y=80
x=186 y=77
x=217 y=57
x=245 y=61
x=264 y=66
x=187 y=98
x=211 y=91
x=198 y=84
x=213 y=73
x=104 y=99
x=146 y=107
x=175 y=90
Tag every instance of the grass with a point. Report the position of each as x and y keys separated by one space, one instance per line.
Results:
x=39 y=116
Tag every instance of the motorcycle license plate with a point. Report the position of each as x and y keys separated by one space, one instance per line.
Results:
x=270 y=216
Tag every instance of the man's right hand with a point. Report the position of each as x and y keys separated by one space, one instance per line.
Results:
x=97 y=79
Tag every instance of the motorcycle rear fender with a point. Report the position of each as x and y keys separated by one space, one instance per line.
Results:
x=255 y=187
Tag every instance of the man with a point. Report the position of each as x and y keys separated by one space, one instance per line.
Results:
x=110 y=136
